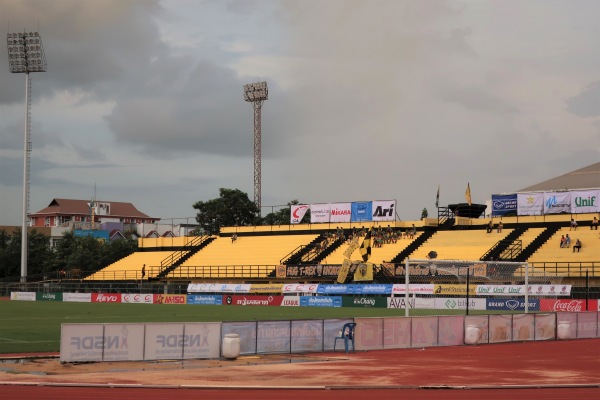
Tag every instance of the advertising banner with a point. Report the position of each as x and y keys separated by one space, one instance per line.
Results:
x=355 y=289
x=523 y=327
x=123 y=342
x=51 y=296
x=549 y=290
x=320 y=301
x=500 y=328
x=297 y=213
x=77 y=297
x=500 y=290
x=300 y=288
x=203 y=340
x=166 y=341
x=396 y=333
x=266 y=287
x=247 y=332
x=530 y=203
x=138 y=298
x=291 y=301
x=106 y=297
x=364 y=302
x=453 y=303
x=585 y=201
x=319 y=213
x=512 y=304
x=81 y=342
x=307 y=336
x=424 y=332
x=418 y=288
x=311 y=271
x=413 y=302
x=460 y=290
x=22 y=296
x=362 y=211
x=218 y=288
x=452 y=330
x=273 y=337
x=504 y=204
x=587 y=325
x=369 y=333
x=570 y=305
x=557 y=202
x=207 y=299
x=545 y=326
x=341 y=212
x=170 y=299
x=242 y=300
x=384 y=210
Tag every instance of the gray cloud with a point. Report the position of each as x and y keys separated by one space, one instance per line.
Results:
x=586 y=103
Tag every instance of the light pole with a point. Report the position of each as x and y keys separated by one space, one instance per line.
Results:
x=256 y=93
x=25 y=55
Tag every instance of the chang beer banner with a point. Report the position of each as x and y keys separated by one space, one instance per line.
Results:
x=362 y=211
x=504 y=204
x=585 y=201
x=319 y=213
x=530 y=203
x=341 y=212
x=52 y=296
x=364 y=302
x=297 y=213
x=557 y=202
x=384 y=210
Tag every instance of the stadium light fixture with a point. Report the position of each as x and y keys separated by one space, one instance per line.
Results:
x=25 y=55
x=257 y=93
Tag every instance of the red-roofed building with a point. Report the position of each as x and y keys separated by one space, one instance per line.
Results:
x=61 y=212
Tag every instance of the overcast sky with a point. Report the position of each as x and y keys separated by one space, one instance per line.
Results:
x=368 y=100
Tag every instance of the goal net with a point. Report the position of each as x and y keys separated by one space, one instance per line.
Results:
x=448 y=287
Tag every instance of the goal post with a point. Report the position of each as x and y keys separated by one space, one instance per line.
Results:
x=453 y=287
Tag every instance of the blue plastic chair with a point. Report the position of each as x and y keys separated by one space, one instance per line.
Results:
x=347 y=335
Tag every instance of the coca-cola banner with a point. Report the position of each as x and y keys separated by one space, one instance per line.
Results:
x=341 y=212
x=530 y=203
x=297 y=213
x=573 y=305
x=137 y=298
x=557 y=202
x=106 y=298
x=585 y=201
x=319 y=213
x=300 y=288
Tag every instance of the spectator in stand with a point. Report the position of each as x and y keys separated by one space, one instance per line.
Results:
x=143 y=271
x=573 y=224
x=562 y=241
x=500 y=226
x=233 y=237
x=567 y=241
x=577 y=245
x=594 y=224
x=490 y=227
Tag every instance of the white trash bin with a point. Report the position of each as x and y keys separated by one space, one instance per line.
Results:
x=563 y=331
x=472 y=334
x=231 y=346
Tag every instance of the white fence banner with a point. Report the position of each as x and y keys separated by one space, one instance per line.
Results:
x=585 y=201
x=138 y=298
x=319 y=213
x=164 y=341
x=202 y=340
x=557 y=202
x=341 y=212
x=384 y=210
x=22 y=296
x=530 y=203
x=77 y=297
x=297 y=213
x=123 y=342
x=81 y=342
x=300 y=288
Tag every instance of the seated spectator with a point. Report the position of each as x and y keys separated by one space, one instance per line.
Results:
x=573 y=224
x=567 y=241
x=233 y=237
x=500 y=226
x=577 y=245
x=562 y=241
x=594 y=224
x=490 y=227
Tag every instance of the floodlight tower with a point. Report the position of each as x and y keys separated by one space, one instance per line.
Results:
x=25 y=55
x=256 y=93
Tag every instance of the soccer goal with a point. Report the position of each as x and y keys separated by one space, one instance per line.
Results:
x=449 y=287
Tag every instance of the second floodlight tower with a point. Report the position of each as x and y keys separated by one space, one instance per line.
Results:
x=256 y=93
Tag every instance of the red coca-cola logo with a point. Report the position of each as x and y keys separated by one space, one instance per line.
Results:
x=106 y=298
x=573 y=305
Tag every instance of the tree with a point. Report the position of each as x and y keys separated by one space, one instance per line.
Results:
x=282 y=216
x=424 y=213
x=39 y=255
x=231 y=208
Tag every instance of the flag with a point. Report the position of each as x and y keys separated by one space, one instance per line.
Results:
x=365 y=247
x=468 y=194
x=437 y=198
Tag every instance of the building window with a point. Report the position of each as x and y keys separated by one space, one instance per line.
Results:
x=47 y=221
